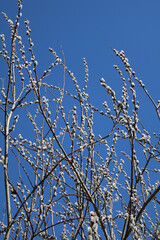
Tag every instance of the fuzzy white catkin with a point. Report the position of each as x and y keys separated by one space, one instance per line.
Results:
x=89 y=230
x=95 y=227
x=89 y=233
x=89 y=237
x=92 y=230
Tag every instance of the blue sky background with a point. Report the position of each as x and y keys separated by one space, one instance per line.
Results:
x=87 y=29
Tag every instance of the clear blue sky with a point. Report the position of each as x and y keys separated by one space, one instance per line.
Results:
x=86 y=28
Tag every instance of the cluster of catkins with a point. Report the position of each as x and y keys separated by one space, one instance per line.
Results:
x=92 y=230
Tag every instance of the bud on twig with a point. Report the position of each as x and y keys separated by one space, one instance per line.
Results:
x=92 y=230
